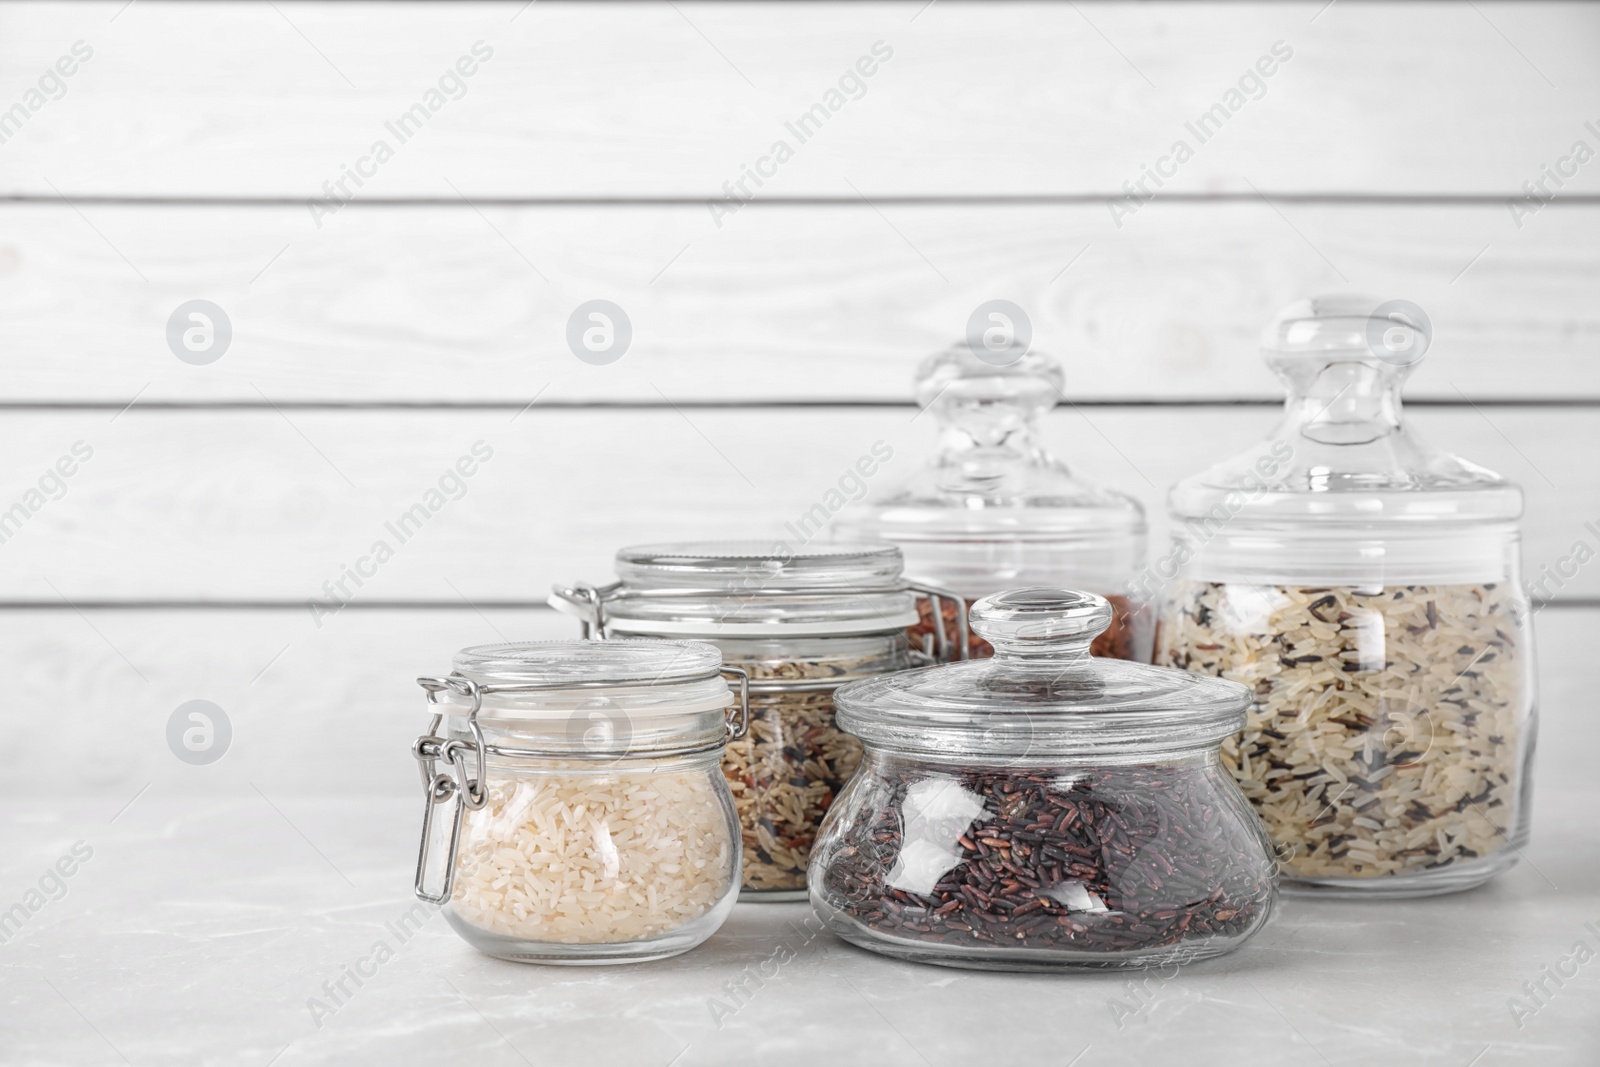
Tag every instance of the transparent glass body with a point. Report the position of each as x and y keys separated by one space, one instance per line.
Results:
x=993 y=510
x=608 y=832
x=789 y=771
x=1044 y=809
x=1044 y=864
x=574 y=863
x=1366 y=588
x=802 y=623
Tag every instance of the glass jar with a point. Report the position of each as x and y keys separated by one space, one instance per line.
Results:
x=994 y=511
x=594 y=825
x=1043 y=809
x=802 y=623
x=1365 y=587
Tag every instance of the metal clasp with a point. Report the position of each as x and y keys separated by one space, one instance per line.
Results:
x=963 y=642
x=587 y=603
x=461 y=790
x=738 y=730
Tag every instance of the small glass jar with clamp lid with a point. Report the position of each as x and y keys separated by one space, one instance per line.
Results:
x=575 y=810
x=803 y=621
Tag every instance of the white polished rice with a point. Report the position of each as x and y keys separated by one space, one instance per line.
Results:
x=1385 y=737
x=594 y=858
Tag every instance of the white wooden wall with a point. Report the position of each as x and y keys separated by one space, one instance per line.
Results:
x=375 y=345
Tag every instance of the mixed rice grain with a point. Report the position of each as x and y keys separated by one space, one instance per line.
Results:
x=786 y=773
x=1386 y=733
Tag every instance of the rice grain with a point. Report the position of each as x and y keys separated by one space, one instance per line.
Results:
x=1391 y=718
x=594 y=858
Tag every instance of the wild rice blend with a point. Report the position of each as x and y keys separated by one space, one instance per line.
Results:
x=786 y=773
x=1385 y=734
x=586 y=858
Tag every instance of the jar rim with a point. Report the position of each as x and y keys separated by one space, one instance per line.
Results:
x=834 y=612
x=738 y=566
x=749 y=588
x=544 y=680
x=553 y=664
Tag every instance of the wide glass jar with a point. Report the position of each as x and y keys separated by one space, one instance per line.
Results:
x=1043 y=809
x=802 y=623
x=994 y=511
x=575 y=811
x=1365 y=587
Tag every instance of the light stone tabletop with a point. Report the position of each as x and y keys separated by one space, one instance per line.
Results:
x=216 y=930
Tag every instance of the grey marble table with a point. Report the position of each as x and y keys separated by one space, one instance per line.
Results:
x=221 y=929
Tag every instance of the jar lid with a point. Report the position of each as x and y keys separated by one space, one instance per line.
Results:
x=538 y=679
x=990 y=479
x=1342 y=490
x=992 y=509
x=1343 y=452
x=754 y=588
x=737 y=566
x=1042 y=693
x=587 y=662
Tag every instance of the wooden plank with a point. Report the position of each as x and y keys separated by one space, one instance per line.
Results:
x=783 y=303
x=262 y=505
x=223 y=99
x=334 y=711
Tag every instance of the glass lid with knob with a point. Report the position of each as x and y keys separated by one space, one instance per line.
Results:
x=1042 y=693
x=993 y=509
x=1342 y=490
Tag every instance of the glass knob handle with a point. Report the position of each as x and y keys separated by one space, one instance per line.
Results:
x=1041 y=622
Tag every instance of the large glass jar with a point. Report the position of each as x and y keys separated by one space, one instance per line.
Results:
x=994 y=511
x=575 y=811
x=802 y=623
x=1365 y=587
x=1043 y=809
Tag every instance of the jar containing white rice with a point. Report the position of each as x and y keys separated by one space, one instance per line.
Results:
x=802 y=620
x=1366 y=588
x=576 y=812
